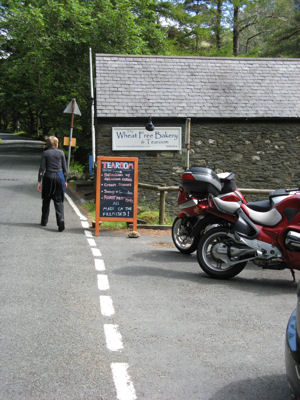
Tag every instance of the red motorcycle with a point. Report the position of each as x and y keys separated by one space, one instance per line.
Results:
x=193 y=219
x=270 y=239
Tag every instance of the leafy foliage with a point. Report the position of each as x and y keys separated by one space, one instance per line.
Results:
x=45 y=57
x=284 y=41
x=270 y=28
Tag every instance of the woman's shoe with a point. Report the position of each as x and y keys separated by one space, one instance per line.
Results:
x=61 y=226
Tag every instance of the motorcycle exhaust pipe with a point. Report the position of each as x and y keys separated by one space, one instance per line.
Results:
x=235 y=252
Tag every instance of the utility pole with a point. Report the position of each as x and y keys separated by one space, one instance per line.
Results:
x=92 y=111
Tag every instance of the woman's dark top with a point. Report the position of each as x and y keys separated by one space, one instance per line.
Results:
x=53 y=160
x=53 y=172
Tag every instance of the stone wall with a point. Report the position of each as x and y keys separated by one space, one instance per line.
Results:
x=262 y=154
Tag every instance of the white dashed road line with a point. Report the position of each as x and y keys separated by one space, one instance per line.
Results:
x=106 y=306
x=124 y=387
x=88 y=234
x=113 y=337
x=122 y=381
x=99 y=264
x=96 y=252
x=91 y=242
x=103 y=283
x=85 y=224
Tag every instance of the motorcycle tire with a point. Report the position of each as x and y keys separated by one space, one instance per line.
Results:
x=206 y=254
x=180 y=234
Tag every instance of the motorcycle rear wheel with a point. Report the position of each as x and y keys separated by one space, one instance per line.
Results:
x=182 y=239
x=207 y=254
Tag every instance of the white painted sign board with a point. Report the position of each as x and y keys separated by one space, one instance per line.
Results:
x=133 y=138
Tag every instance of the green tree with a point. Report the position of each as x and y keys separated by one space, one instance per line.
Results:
x=217 y=22
x=197 y=25
x=148 y=14
x=198 y=12
x=259 y=20
x=235 y=10
x=284 y=39
x=257 y=23
x=45 y=56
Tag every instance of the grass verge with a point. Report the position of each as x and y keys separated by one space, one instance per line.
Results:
x=150 y=217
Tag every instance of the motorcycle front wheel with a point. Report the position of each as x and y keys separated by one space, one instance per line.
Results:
x=212 y=254
x=181 y=235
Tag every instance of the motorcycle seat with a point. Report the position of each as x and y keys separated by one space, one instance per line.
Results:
x=261 y=205
x=267 y=218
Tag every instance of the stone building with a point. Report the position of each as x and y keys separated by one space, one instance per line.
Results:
x=245 y=116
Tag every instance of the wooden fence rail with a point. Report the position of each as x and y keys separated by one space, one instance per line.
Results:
x=163 y=190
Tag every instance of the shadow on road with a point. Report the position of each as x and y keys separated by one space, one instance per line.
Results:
x=51 y=227
x=166 y=256
x=159 y=272
x=272 y=387
x=255 y=284
x=263 y=286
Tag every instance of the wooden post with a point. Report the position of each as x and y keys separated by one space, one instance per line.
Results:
x=188 y=143
x=162 y=206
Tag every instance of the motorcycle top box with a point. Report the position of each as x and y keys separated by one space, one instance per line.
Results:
x=201 y=182
x=227 y=181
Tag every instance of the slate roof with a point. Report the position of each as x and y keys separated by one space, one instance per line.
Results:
x=159 y=86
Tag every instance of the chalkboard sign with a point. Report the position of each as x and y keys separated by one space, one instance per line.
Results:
x=116 y=190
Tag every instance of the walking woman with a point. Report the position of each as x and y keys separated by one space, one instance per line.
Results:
x=52 y=181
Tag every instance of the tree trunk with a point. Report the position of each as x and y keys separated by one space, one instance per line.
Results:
x=218 y=23
x=235 y=31
x=31 y=121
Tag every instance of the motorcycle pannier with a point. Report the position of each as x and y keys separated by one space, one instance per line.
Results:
x=201 y=182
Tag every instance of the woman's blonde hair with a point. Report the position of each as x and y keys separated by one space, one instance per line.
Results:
x=52 y=141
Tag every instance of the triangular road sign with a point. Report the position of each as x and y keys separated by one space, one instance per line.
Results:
x=69 y=108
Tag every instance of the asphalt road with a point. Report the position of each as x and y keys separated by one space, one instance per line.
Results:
x=179 y=334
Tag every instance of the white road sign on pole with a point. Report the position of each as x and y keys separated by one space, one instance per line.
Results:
x=72 y=108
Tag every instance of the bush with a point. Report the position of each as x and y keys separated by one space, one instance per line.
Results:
x=151 y=217
x=76 y=166
x=76 y=171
